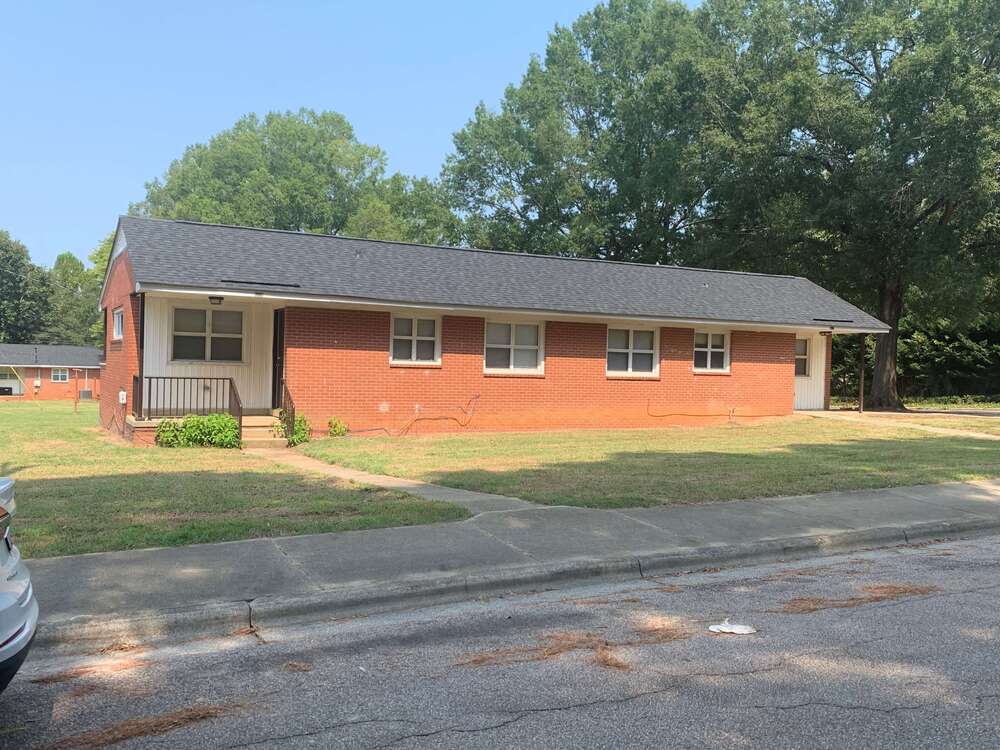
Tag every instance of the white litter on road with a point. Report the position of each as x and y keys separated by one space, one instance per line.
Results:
x=732 y=628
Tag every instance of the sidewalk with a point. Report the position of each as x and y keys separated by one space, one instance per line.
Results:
x=266 y=582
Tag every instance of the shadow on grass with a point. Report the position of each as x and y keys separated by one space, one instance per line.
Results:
x=656 y=477
x=74 y=515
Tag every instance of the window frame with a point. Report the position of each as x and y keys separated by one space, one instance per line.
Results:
x=805 y=357
x=209 y=310
x=538 y=369
x=118 y=323
x=54 y=370
x=631 y=350
x=726 y=347
x=414 y=338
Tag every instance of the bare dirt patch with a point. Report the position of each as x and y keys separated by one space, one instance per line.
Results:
x=146 y=726
x=870 y=595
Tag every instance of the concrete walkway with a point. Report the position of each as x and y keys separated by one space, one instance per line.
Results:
x=475 y=502
x=899 y=422
x=538 y=541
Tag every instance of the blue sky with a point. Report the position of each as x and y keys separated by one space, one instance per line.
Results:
x=98 y=98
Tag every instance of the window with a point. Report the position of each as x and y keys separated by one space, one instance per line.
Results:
x=117 y=323
x=60 y=375
x=415 y=341
x=208 y=335
x=802 y=357
x=711 y=351
x=512 y=347
x=631 y=351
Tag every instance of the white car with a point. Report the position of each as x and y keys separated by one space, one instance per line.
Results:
x=18 y=608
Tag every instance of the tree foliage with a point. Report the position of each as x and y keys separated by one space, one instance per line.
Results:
x=302 y=171
x=24 y=291
x=72 y=316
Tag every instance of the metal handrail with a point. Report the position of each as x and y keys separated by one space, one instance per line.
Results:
x=287 y=410
x=236 y=407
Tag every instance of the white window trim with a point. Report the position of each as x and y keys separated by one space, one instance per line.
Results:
x=436 y=362
x=208 y=335
x=538 y=370
x=54 y=370
x=629 y=374
x=807 y=357
x=727 y=343
x=117 y=324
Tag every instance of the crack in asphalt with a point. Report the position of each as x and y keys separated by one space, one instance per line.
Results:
x=448 y=730
x=843 y=707
x=320 y=730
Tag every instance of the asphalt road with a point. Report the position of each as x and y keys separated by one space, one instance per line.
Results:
x=891 y=648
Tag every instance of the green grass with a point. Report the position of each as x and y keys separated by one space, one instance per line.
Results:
x=81 y=490
x=627 y=468
x=929 y=402
x=987 y=425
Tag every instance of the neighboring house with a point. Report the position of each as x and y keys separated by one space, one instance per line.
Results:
x=49 y=371
x=392 y=337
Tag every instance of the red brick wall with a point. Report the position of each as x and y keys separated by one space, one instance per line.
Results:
x=121 y=357
x=49 y=391
x=337 y=364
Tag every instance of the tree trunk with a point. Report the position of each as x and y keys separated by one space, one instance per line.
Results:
x=884 y=394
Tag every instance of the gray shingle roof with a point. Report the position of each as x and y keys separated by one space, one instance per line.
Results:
x=47 y=355
x=180 y=253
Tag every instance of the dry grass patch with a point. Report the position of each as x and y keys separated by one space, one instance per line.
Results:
x=871 y=595
x=146 y=726
x=297 y=666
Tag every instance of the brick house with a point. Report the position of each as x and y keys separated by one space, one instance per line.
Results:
x=401 y=338
x=48 y=372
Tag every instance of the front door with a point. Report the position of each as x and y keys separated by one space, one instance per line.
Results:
x=277 y=358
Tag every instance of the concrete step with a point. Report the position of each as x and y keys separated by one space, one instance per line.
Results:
x=264 y=442
x=260 y=432
x=259 y=421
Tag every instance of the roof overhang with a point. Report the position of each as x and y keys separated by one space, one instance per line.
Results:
x=390 y=305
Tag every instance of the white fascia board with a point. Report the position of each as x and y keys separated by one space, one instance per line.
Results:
x=383 y=305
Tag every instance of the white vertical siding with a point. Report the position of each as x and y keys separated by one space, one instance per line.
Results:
x=252 y=376
x=809 y=389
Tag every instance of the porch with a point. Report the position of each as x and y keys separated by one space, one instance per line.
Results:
x=210 y=355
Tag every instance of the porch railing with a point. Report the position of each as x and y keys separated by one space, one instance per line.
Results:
x=160 y=396
x=287 y=410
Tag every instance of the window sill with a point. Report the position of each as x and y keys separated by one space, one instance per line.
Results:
x=210 y=362
x=512 y=374
x=631 y=376
x=711 y=372
x=416 y=365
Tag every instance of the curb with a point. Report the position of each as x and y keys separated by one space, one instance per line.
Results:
x=224 y=618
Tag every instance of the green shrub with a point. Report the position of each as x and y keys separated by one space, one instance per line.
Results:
x=338 y=428
x=169 y=434
x=215 y=430
x=300 y=434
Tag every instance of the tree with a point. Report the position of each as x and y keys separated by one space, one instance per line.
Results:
x=595 y=152
x=862 y=145
x=303 y=171
x=23 y=293
x=72 y=316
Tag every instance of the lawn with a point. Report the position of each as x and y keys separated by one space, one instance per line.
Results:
x=987 y=425
x=628 y=468
x=81 y=490
x=943 y=403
